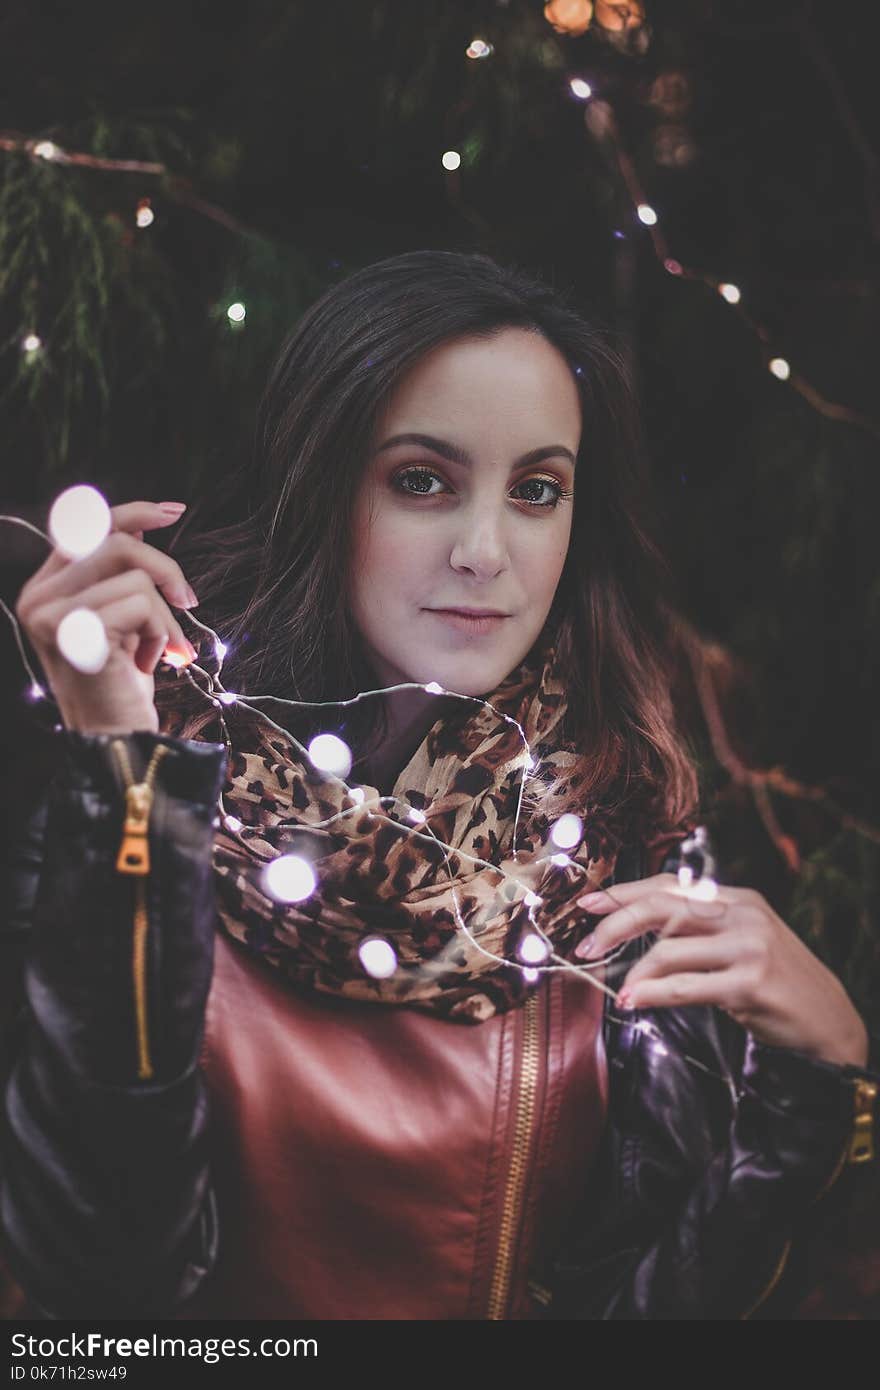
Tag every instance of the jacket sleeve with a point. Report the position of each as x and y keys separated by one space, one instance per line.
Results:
x=106 y=1204
x=715 y=1243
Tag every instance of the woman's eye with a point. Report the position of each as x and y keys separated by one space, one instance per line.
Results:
x=421 y=479
x=420 y=474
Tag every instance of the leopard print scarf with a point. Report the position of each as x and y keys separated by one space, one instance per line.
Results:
x=381 y=873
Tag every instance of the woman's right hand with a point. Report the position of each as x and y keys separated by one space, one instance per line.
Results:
x=120 y=581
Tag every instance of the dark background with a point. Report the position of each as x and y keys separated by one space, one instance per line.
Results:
x=304 y=140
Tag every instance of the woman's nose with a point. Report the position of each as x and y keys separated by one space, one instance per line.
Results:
x=481 y=546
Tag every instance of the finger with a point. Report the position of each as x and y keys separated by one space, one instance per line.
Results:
x=117 y=554
x=683 y=954
x=138 y=614
x=723 y=988
x=133 y=584
x=131 y=517
x=621 y=894
x=145 y=516
x=666 y=912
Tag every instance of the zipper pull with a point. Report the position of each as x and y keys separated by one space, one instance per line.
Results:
x=134 y=852
x=861 y=1145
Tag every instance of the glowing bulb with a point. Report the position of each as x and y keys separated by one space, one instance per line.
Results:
x=177 y=659
x=533 y=949
x=32 y=342
x=433 y=688
x=82 y=640
x=685 y=876
x=144 y=215
x=232 y=823
x=660 y=1050
x=378 y=957
x=646 y=214
x=227 y=697
x=79 y=521
x=531 y=975
x=220 y=649
x=36 y=691
x=567 y=831
x=532 y=900
x=672 y=266
x=780 y=368
x=330 y=754
x=45 y=149
x=562 y=860
x=730 y=293
x=236 y=312
x=478 y=48
x=417 y=816
x=290 y=878
x=451 y=159
x=581 y=89
x=357 y=794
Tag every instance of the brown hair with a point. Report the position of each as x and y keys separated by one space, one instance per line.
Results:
x=274 y=582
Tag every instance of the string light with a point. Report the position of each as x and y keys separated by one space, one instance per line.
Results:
x=567 y=831
x=31 y=343
x=236 y=312
x=580 y=89
x=289 y=878
x=562 y=861
x=478 y=48
x=144 y=215
x=780 y=368
x=416 y=816
x=331 y=754
x=646 y=214
x=82 y=640
x=533 y=949
x=79 y=521
x=729 y=292
x=451 y=159
x=36 y=691
x=378 y=957
x=45 y=149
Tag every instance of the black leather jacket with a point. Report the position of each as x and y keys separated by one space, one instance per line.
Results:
x=702 y=1188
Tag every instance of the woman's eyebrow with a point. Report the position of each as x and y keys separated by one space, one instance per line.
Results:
x=455 y=454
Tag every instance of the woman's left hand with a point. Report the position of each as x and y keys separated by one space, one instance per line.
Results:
x=732 y=951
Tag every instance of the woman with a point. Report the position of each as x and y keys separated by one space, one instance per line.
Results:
x=399 y=1091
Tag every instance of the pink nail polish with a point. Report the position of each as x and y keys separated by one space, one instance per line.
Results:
x=623 y=1000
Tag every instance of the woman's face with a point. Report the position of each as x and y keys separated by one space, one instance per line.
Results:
x=472 y=511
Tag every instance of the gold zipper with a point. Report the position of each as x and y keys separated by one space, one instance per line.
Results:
x=859 y=1148
x=134 y=858
x=513 y=1191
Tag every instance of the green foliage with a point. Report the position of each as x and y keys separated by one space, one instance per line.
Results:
x=73 y=272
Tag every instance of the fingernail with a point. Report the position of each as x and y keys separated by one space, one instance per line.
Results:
x=591 y=900
x=624 y=1000
x=586 y=948
x=173 y=507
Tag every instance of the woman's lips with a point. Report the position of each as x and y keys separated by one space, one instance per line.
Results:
x=465 y=623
